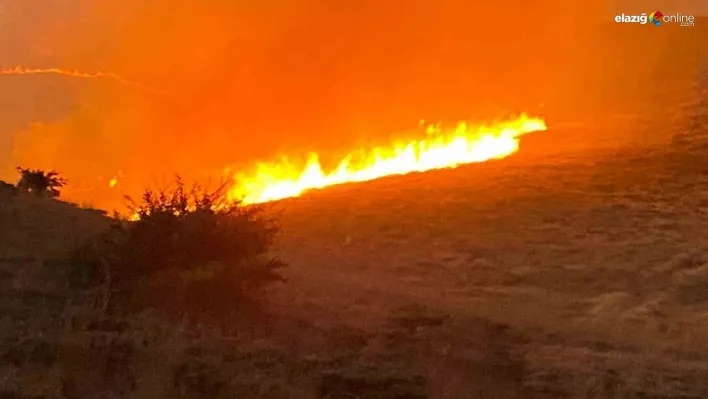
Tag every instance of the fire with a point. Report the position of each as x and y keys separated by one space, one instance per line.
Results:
x=113 y=182
x=18 y=70
x=441 y=149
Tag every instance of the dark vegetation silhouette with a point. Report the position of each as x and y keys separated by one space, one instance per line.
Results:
x=190 y=253
x=40 y=183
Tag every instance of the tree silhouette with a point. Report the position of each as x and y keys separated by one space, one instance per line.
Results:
x=39 y=182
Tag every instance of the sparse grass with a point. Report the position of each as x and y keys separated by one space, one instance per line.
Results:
x=41 y=228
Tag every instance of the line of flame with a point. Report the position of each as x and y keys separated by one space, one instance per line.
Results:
x=439 y=150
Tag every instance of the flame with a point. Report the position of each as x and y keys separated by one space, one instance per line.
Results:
x=74 y=73
x=440 y=149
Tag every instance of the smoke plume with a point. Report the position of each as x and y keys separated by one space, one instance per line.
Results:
x=243 y=80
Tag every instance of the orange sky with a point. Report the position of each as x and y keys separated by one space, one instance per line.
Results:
x=245 y=80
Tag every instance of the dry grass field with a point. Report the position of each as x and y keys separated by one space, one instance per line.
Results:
x=581 y=277
x=551 y=274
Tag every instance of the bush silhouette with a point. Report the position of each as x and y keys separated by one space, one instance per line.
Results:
x=190 y=252
x=39 y=182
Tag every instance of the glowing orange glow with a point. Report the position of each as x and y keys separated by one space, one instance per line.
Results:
x=440 y=149
x=113 y=182
x=18 y=70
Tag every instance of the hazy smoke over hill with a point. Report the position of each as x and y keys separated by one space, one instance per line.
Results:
x=688 y=7
x=243 y=80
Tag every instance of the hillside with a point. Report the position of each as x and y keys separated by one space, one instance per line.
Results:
x=550 y=274
x=597 y=262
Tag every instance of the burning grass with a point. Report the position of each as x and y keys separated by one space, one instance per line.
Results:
x=441 y=148
x=533 y=281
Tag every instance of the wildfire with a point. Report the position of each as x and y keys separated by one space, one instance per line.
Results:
x=440 y=149
x=18 y=70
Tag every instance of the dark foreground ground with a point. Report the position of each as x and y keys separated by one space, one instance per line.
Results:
x=552 y=274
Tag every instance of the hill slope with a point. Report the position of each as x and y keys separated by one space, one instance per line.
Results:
x=582 y=275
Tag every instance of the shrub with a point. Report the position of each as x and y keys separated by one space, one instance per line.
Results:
x=39 y=182
x=192 y=252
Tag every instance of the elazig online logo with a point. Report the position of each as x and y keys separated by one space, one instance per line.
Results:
x=656 y=18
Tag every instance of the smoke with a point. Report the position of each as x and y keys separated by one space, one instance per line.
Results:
x=686 y=7
x=243 y=80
